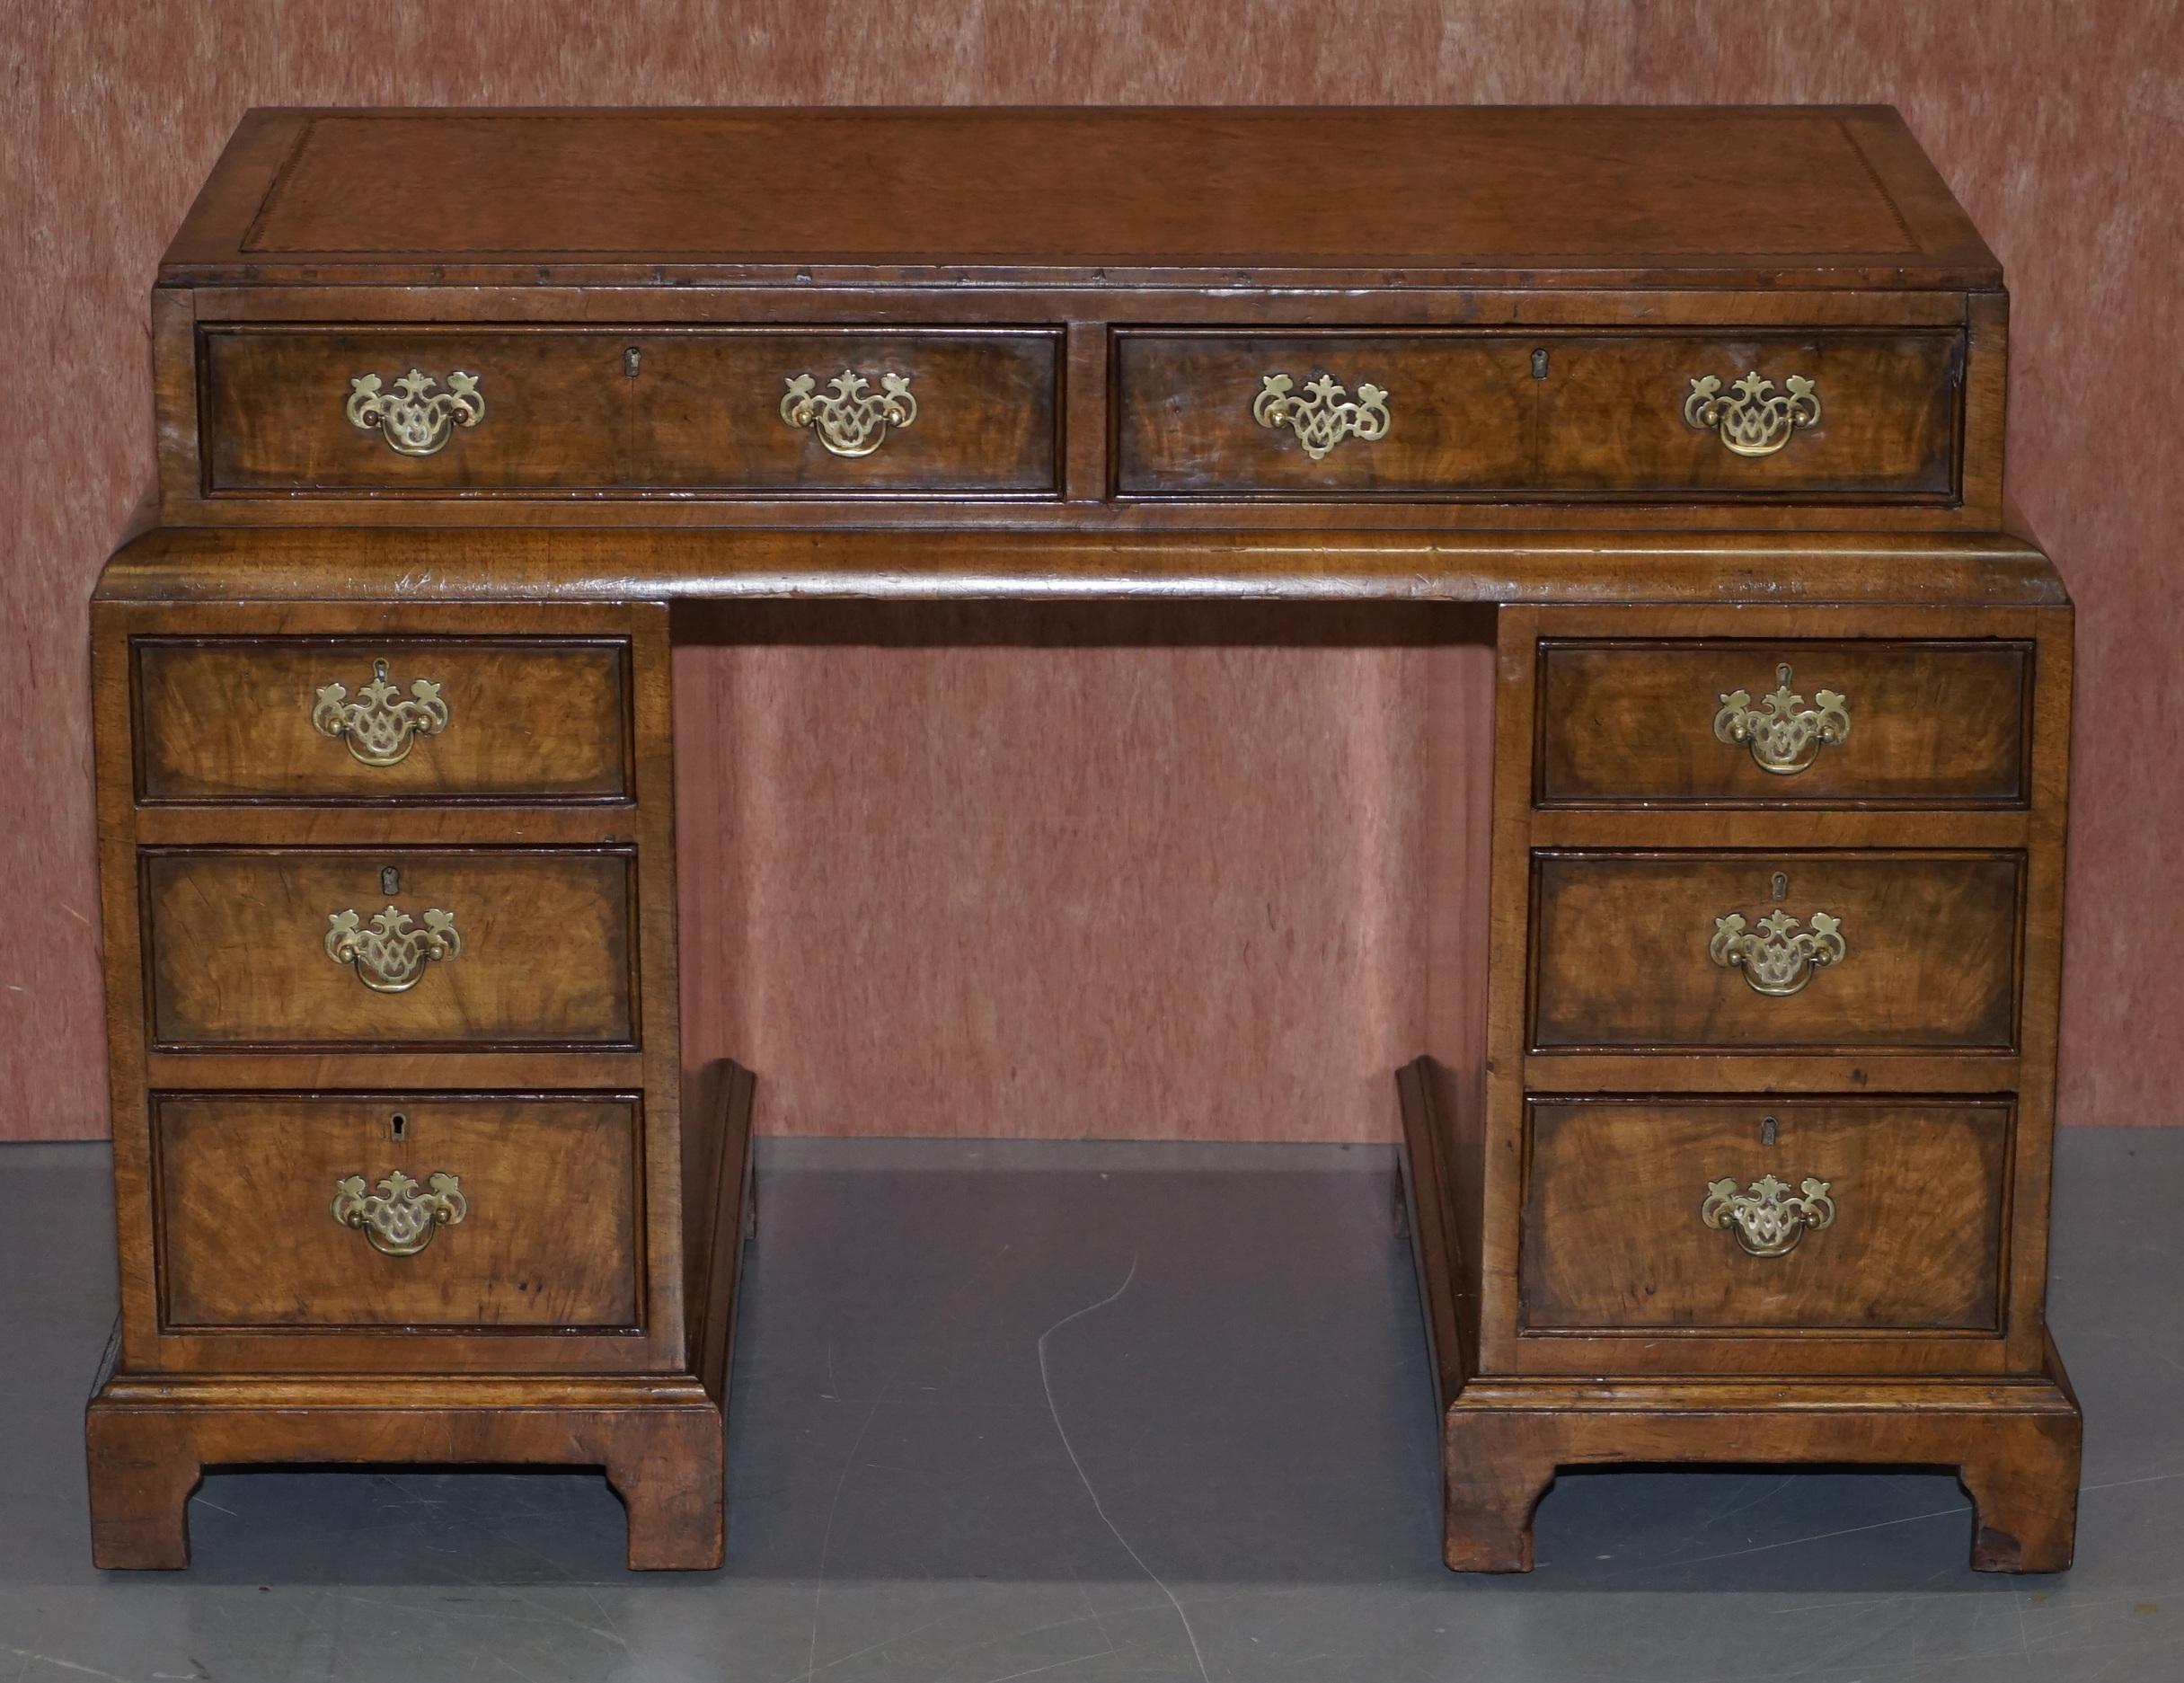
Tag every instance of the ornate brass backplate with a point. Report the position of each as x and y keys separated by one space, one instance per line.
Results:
x=397 y=1218
x=1764 y=1221
x=380 y=731
x=1754 y=420
x=1778 y=957
x=1787 y=735
x=389 y=954
x=849 y=417
x=1323 y=414
x=414 y=418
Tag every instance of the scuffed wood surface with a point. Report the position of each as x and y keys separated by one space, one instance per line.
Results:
x=2051 y=123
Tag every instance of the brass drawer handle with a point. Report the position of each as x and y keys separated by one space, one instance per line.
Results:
x=1778 y=957
x=1323 y=414
x=850 y=418
x=415 y=419
x=1766 y=1223
x=379 y=729
x=1787 y=736
x=397 y=1218
x=389 y=954
x=1757 y=420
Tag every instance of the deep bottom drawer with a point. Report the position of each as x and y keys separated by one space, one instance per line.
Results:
x=1880 y=1214
x=398 y=1211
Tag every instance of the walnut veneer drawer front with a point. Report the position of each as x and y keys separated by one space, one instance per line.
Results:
x=1849 y=416
x=417 y=947
x=1880 y=1215
x=427 y=718
x=299 y=1212
x=1772 y=722
x=552 y=412
x=1806 y=951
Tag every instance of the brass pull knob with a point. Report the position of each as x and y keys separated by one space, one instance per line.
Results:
x=379 y=729
x=1765 y=1222
x=1323 y=414
x=849 y=417
x=1787 y=736
x=1756 y=419
x=388 y=953
x=1777 y=958
x=397 y=1218
x=414 y=419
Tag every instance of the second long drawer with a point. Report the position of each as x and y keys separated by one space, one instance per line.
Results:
x=1808 y=952
x=453 y=947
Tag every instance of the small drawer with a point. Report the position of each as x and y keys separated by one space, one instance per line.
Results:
x=1837 y=416
x=1811 y=952
x=423 y=947
x=584 y=413
x=1721 y=1215
x=1782 y=723
x=415 y=720
x=298 y=1213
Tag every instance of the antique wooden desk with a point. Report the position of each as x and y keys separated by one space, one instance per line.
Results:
x=1678 y=434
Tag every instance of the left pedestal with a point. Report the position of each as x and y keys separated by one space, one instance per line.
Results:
x=405 y=1171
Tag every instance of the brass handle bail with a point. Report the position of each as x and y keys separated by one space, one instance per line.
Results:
x=1764 y=1220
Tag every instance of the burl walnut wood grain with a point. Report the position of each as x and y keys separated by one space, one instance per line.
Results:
x=236 y=948
x=566 y=413
x=1931 y=724
x=248 y=1237
x=1613 y=1237
x=1623 y=961
x=1483 y=415
x=232 y=718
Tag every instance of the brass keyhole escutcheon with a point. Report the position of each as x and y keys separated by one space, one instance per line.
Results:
x=1768 y=1132
x=390 y=881
x=1781 y=885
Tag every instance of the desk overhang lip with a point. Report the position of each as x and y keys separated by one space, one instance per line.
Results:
x=432 y=564
x=819 y=275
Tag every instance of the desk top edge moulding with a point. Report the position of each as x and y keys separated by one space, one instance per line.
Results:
x=1674 y=434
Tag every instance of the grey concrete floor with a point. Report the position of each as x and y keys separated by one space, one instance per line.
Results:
x=1093 y=1412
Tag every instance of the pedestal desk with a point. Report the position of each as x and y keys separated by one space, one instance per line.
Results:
x=1675 y=435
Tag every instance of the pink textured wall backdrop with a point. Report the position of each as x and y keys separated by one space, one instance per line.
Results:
x=1259 y=798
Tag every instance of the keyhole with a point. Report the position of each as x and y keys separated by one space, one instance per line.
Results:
x=397 y=1125
x=629 y=360
x=1782 y=885
x=1767 y=1131
x=390 y=881
x=1539 y=365
x=1782 y=676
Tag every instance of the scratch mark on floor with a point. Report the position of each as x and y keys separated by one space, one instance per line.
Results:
x=1098 y=1507
x=1052 y=1665
x=1816 y=1536
x=818 y=1589
x=2122 y=1484
x=33 y=1657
